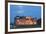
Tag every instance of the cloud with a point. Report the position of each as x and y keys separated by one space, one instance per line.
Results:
x=21 y=11
x=20 y=7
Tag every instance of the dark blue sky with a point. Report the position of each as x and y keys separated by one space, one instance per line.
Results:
x=24 y=10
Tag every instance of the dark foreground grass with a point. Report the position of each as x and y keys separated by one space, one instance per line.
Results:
x=25 y=26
